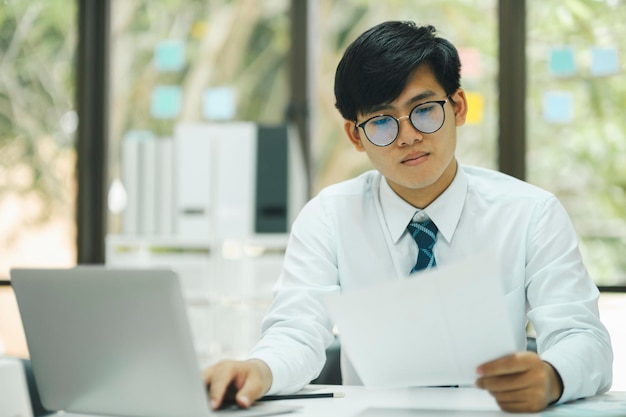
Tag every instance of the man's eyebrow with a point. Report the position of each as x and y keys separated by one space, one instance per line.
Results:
x=379 y=107
x=386 y=106
x=422 y=96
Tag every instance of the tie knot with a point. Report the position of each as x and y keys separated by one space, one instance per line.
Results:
x=424 y=233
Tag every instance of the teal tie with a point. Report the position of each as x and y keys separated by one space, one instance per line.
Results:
x=425 y=235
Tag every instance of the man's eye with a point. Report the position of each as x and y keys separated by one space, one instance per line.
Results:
x=380 y=121
x=422 y=110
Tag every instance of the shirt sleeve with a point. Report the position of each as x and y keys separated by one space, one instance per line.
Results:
x=297 y=329
x=563 y=305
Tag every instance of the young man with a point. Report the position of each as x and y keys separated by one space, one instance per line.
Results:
x=398 y=89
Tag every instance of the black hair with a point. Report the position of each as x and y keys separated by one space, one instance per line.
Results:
x=376 y=66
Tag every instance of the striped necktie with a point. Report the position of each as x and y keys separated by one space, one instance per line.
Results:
x=425 y=235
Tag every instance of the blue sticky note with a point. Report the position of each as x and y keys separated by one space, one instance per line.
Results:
x=166 y=102
x=604 y=61
x=169 y=55
x=562 y=62
x=139 y=135
x=558 y=107
x=219 y=103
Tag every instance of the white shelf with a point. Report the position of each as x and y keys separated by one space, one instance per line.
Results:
x=227 y=284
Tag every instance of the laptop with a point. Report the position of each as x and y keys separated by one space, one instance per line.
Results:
x=114 y=342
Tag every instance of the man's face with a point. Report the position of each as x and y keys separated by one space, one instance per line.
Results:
x=418 y=166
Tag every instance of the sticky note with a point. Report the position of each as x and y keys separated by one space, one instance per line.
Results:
x=169 y=55
x=562 y=62
x=470 y=63
x=166 y=102
x=198 y=29
x=475 y=107
x=138 y=135
x=604 y=61
x=219 y=103
x=558 y=107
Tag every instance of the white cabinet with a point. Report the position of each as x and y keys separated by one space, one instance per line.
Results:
x=227 y=284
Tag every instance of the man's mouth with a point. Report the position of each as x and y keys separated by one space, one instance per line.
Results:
x=415 y=159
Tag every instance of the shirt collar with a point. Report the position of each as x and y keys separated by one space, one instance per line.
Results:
x=445 y=211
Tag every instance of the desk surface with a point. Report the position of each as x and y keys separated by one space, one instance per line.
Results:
x=471 y=401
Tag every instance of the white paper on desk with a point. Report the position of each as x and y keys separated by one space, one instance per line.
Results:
x=433 y=328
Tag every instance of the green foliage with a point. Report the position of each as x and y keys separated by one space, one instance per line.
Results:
x=37 y=48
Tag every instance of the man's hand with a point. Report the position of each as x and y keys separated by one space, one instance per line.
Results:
x=521 y=382
x=247 y=381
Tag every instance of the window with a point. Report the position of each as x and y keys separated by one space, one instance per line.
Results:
x=192 y=61
x=37 y=121
x=576 y=131
x=37 y=151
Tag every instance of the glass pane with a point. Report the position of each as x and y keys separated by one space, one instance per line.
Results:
x=576 y=126
x=193 y=61
x=37 y=128
x=340 y=22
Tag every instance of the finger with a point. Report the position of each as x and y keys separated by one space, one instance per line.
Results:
x=504 y=383
x=518 y=407
x=257 y=382
x=219 y=380
x=528 y=400
x=251 y=390
x=517 y=396
x=534 y=375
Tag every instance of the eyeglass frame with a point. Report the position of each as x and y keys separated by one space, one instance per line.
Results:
x=408 y=116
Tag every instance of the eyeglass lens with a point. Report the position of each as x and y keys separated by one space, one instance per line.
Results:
x=426 y=117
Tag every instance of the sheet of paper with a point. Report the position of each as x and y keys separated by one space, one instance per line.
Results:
x=434 y=328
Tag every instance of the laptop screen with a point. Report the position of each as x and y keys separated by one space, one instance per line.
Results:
x=110 y=341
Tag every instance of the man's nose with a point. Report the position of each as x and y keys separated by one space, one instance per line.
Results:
x=407 y=133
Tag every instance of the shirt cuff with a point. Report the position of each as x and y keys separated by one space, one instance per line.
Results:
x=282 y=382
x=568 y=375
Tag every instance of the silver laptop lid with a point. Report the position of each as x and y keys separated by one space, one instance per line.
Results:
x=110 y=341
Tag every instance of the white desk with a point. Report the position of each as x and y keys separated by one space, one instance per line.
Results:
x=461 y=402
x=14 y=396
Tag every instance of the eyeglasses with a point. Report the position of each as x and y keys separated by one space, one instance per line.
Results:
x=383 y=130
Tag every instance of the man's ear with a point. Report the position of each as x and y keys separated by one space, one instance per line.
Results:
x=460 y=106
x=352 y=131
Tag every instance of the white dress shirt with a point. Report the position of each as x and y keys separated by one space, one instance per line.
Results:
x=353 y=234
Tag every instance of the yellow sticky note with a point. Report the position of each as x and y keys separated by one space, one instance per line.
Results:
x=198 y=29
x=475 y=108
